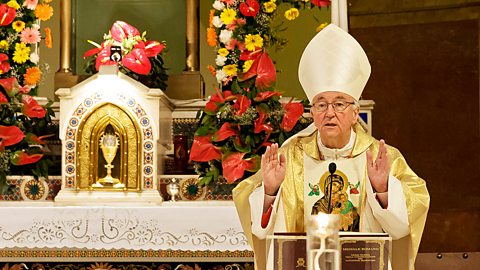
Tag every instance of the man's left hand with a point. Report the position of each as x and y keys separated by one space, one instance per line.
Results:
x=379 y=169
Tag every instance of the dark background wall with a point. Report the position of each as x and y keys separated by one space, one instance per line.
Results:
x=425 y=83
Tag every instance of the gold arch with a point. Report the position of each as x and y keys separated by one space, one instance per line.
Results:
x=89 y=157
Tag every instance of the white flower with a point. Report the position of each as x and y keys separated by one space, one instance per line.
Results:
x=218 y=5
x=35 y=26
x=225 y=36
x=217 y=22
x=34 y=58
x=220 y=60
x=221 y=75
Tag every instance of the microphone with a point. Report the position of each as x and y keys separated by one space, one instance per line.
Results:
x=332 y=167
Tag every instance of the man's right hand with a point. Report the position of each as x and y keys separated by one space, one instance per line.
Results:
x=273 y=169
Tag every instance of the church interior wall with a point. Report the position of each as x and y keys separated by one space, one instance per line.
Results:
x=425 y=83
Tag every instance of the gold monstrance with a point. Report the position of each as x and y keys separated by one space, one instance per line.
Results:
x=109 y=145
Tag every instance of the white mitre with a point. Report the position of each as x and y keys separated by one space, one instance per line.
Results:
x=333 y=61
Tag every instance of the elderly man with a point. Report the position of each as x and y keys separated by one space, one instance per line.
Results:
x=377 y=191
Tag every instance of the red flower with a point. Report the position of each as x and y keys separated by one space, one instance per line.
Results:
x=10 y=85
x=121 y=30
x=31 y=108
x=266 y=95
x=224 y=132
x=92 y=52
x=248 y=55
x=293 y=111
x=7 y=14
x=4 y=64
x=203 y=150
x=152 y=48
x=21 y=158
x=241 y=105
x=10 y=135
x=33 y=139
x=250 y=8
x=234 y=166
x=3 y=98
x=217 y=99
x=103 y=58
x=321 y=3
x=259 y=123
x=137 y=61
x=264 y=69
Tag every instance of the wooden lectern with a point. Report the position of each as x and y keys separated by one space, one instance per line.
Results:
x=359 y=251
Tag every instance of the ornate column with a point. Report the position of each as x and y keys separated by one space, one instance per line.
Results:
x=64 y=77
x=192 y=35
x=189 y=84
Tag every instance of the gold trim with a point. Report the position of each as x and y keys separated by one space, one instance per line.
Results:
x=91 y=128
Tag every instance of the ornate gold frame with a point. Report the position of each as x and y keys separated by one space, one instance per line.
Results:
x=90 y=131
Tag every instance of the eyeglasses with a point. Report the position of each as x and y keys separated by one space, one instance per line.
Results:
x=338 y=105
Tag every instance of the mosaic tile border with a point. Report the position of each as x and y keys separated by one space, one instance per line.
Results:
x=141 y=117
x=123 y=254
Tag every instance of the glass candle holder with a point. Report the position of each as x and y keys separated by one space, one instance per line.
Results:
x=323 y=248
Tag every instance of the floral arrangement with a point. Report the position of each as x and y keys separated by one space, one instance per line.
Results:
x=139 y=58
x=246 y=114
x=22 y=120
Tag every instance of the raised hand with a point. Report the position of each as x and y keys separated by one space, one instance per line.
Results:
x=273 y=169
x=379 y=169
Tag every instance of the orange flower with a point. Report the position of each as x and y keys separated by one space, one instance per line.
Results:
x=43 y=12
x=210 y=20
x=32 y=76
x=211 y=37
x=212 y=70
x=48 y=37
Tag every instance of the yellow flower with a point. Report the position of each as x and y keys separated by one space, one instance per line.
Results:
x=269 y=7
x=253 y=41
x=13 y=4
x=47 y=1
x=223 y=52
x=306 y=1
x=18 y=26
x=231 y=70
x=246 y=65
x=228 y=15
x=21 y=54
x=43 y=12
x=292 y=14
x=321 y=26
x=4 y=45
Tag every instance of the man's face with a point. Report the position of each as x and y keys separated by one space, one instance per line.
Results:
x=334 y=126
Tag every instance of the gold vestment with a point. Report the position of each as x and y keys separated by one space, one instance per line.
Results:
x=414 y=189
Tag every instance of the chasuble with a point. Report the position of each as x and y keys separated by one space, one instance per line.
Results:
x=304 y=191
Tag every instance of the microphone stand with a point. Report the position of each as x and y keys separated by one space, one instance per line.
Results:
x=332 y=167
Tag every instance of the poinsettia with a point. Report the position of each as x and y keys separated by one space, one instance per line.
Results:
x=141 y=59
